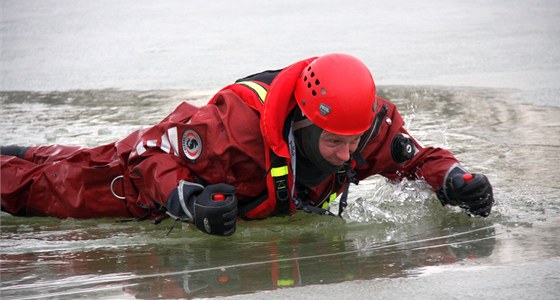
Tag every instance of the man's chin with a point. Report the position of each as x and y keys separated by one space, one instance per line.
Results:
x=337 y=164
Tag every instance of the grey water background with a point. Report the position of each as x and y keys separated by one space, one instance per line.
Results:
x=481 y=78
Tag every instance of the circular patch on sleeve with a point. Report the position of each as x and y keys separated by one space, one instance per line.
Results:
x=192 y=144
x=402 y=148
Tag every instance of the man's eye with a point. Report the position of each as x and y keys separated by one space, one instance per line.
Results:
x=334 y=142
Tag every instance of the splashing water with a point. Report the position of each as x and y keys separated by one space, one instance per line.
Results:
x=379 y=201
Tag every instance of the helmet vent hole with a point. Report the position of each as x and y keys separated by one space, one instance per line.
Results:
x=304 y=78
x=314 y=93
x=312 y=74
x=308 y=84
x=317 y=82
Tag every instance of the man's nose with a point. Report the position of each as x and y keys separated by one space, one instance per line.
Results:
x=343 y=152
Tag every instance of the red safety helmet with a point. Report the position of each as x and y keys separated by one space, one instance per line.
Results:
x=336 y=92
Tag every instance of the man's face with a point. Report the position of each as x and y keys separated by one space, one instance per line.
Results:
x=336 y=148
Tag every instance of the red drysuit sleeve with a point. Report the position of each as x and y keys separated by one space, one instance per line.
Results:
x=156 y=174
x=430 y=164
x=217 y=143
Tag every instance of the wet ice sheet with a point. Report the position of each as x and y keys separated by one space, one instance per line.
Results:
x=515 y=269
x=389 y=231
x=531 y=279
x=476 y=258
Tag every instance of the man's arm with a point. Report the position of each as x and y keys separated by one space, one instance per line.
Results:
x=395 y=154
x=161 y=178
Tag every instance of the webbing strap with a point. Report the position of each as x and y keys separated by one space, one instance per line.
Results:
x=344 y=178
x=279 y=173
x=328 y=202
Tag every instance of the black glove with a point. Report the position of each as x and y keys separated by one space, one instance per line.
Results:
x=472 y=192
x=212 y=209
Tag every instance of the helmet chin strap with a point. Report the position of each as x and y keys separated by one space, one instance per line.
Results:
x=302 y=124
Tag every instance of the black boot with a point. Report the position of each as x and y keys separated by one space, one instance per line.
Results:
x=13 y=150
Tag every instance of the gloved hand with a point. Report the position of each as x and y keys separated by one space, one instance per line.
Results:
x=472 y=192
x=213 y=209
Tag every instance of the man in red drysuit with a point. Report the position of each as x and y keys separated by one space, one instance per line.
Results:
x=269 y=144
